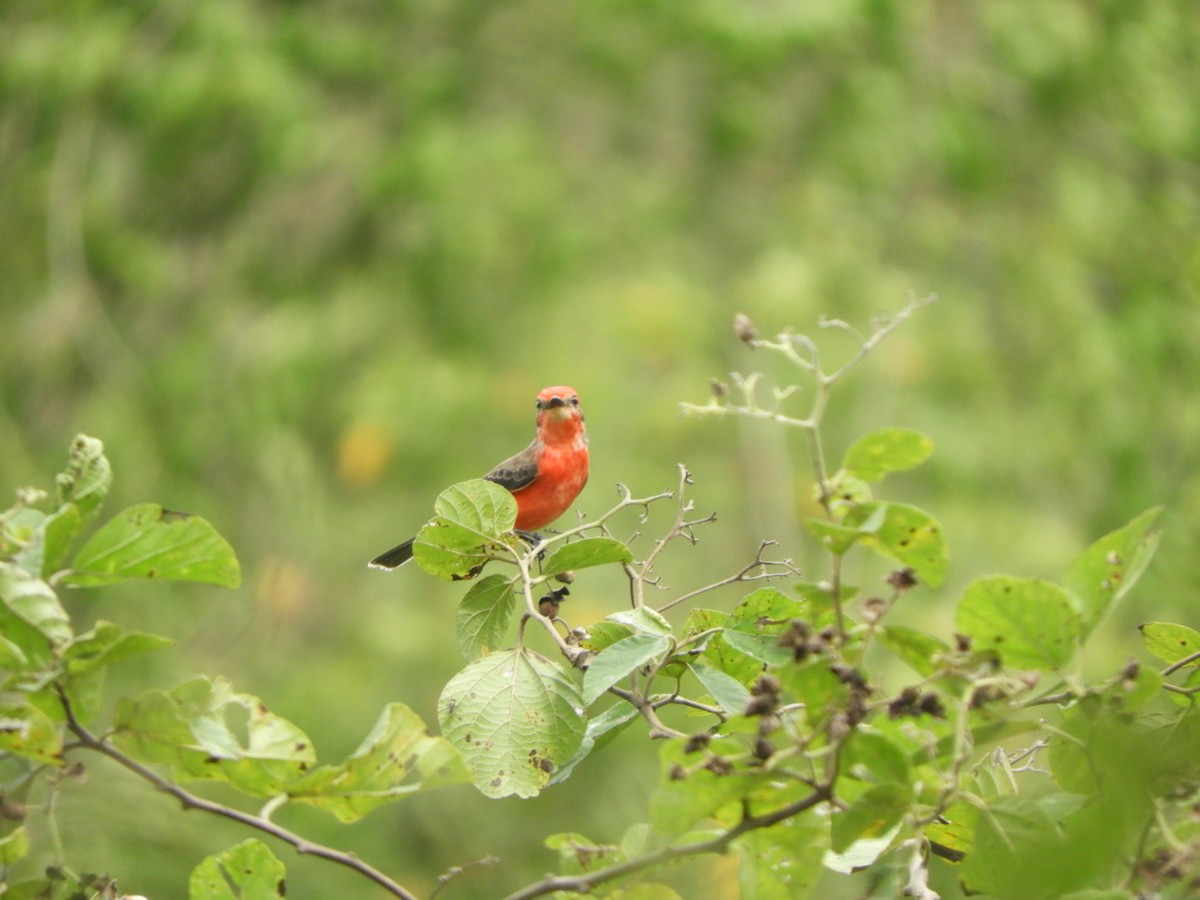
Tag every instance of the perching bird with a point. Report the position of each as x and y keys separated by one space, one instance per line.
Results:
x=544 y=478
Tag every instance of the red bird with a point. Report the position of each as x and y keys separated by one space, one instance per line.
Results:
x=544 y=478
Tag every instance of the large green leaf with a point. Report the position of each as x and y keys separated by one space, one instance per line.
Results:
x=483 y=616
x=1105 y=571
x=515 y=717
x=1031 y=623
x=469 y=516
x=87 y=477
x=197 y=728
x=887 y=450
x=613 y=663
x=399 y=757
x=597 y=551
x=248 y=871
x=148 y=541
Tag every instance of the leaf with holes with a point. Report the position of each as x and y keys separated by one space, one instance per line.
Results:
x=398 y=758
x=515 y=717
x=205 y=730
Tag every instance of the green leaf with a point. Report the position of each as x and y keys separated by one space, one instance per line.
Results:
x=767 y=611
x=399 y=757
x=106 y=644
x=604 y=634
x=872 y=756
x=644 y=620
x=87 y=477
x=597 y=551
x=679 y=803
x=35 y=603
x=1170 y=642
x=615 y=662
x=907 y=534
x=837 y=539
x=731 y=695
x=148 y=541
x=27 y=731
x=1031 y=623
x=197 y=727
x=90 y=654
x=600 y=729
x=814 y=685
x=49 y=541
x=872 y=815
x=873 y=456
x=470 y=516
x=14 y=846
x=578 y=853
x=515 y=717
x=762 y=647
x=918 y=649
x=483 y=616
x=1105 y=571
x=248 y=871
x=782 y=862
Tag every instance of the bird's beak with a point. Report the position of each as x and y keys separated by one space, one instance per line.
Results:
x=555 y=403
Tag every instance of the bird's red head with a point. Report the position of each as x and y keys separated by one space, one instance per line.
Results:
x=559 y=412
x=559 y=397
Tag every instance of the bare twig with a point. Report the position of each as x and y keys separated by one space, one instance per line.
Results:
x=758 y=566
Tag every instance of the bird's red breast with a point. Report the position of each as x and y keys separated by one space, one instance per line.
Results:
x=561 y=450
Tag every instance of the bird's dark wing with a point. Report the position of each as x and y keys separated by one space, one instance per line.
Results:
x=518 y=471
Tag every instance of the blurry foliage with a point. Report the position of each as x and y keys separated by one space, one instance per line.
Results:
x=303 y=264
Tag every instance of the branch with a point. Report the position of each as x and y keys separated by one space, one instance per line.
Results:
x=743 y=574
x=584 y=883
x=88 y=740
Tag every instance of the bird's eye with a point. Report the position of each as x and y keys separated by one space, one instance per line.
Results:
x=574 y=401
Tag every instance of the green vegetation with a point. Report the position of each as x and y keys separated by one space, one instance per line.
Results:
x=301 y=266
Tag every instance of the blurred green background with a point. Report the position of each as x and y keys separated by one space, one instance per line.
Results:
x=302 y=264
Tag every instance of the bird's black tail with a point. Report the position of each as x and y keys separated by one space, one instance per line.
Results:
x=393 y=558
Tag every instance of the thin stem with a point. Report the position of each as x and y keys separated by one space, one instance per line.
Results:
x=742 y=574
x=88 y=740
x=584 y=883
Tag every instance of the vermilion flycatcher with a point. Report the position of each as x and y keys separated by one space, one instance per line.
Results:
x=544 y=478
